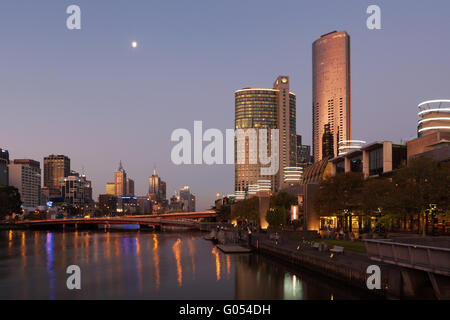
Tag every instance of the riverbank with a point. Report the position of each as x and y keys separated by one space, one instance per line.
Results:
x=349 y=268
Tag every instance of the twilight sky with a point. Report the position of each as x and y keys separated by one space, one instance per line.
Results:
x=87 y=94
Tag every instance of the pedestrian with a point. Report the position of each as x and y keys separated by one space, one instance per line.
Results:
x=249 y=237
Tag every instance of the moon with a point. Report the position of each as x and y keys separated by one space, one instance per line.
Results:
x=134 y=44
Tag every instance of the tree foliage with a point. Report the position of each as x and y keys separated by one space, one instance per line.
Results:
x=276 y=217
x=410 y=191
x=246 y=210
x=9 y=201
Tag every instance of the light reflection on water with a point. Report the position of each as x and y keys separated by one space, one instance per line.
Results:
x=145 y=265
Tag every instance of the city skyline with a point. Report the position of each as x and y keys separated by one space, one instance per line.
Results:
x=389 y=72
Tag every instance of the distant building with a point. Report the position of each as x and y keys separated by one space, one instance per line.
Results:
x=144 y=205
x=157 y=187
x=331 y=91
x=4 y=161
x=327 y=142
x=304 y=157
x=130 y=187
x=25 y=175
x=107 y=204
x=56 y=167
x=110 y=188
x=120 y=181
x=72 y=190
x=187 y=199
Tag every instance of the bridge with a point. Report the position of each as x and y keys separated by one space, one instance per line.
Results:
x=177 y=219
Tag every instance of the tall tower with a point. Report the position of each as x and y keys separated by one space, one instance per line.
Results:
x=56 y=167
x=257 y=108
x=331 y=89
x=120 y=180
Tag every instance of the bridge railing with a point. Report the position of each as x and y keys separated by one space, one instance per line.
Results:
x=425 y=258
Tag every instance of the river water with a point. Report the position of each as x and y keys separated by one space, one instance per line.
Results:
x=147 y=265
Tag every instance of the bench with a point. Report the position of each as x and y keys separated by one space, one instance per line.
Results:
x=337 y=249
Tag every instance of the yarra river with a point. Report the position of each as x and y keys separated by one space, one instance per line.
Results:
x=147 y=265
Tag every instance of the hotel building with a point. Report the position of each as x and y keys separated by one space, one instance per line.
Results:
x=331 y=93
x=257 y=109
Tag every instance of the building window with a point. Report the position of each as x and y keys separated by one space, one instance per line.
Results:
x=376 y=162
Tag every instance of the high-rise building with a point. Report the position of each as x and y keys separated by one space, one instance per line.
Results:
x=265 y=109
x=25 y=175
x=4 y=161
x=120 y=181
x=76 y=189
x=56 y=167
x=187 y=200
x=130 y=187
x=157 y=187
x=110 y=188
x=331 y=89
x=304 y=157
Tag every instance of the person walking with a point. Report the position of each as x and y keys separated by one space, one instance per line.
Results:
x=249 y=237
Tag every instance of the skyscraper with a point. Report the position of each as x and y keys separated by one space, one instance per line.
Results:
x=130 y=187
x=331 y=89
x=4 y=161
x=25 y=175
x=56 y=167
x=157 y=187
x=120 y=181
x=265 y=109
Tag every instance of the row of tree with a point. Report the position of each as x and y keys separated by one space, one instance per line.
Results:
x=404 y=200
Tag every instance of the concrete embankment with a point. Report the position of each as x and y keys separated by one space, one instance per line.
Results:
x=348 y=268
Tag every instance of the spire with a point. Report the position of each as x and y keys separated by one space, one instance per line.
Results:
x=154 y=170
x=120 y=166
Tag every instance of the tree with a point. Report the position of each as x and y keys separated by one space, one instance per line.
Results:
x=9 y=201
x=283 y=199
x=246 y=210
x=276 y=217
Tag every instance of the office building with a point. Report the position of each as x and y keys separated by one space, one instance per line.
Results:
x=56 y=167
x=130 y=187
x=120 y=181
x=265 y=109
x=110 y=188
x=157 y=188
x=25 y=175
x=331 y=92
x=4 y=161
x=187 y=200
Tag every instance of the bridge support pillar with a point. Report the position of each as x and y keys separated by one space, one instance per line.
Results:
x=76 y=226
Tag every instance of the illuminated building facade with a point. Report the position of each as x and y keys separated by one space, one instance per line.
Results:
x=257 y=109
x=120 y=181
x=331 y=90
x=56 y=167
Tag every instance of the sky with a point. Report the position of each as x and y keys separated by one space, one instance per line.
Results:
x=91 y=96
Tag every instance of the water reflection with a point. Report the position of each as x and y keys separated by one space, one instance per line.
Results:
x=140 y=265
x=156 y=259
x=176 y=252
x=216 y=253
